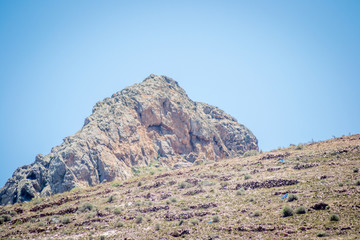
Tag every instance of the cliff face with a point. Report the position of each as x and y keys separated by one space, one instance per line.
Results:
x=153 y=120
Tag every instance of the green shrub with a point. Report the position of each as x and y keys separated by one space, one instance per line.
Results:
x=257 y=213
x=173 y=199
x=250 y=153
x=102 y=237
x=287 y=211
x=183 y=185
x=139 y=184
x=1 y=220
x=300 y=210
x=321 y=234
x=334 y=217
x=13 y=213
x=6 y=218
x=356 y=170
x=357 y=183
x=194 y=222
x=292 y=197
x=157 y=227
x=247 y=176
x=119 y=224
x=86 y=207
x=139 y=219
x=240 y=192
x=216 y=219
x=111 y=199
x=341 y=184
x=223 y=184
x=66 y=220
x=117 y=211
x=299 y=147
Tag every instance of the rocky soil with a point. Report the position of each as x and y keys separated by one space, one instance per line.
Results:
x=147 y=122
x=305 y=191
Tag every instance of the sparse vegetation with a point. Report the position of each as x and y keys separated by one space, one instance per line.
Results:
x=250 y=153
x=216 y=219
x=292 y=197
x=139 y=219
x=334 y=218
x=356 y=170
x=66 y=220
x=119 y=224
x=161 y=203
x=111 y=199
x=157 y=227
x=183 y=185
x=247 y=176
x=300 y=210
x=240 y=192
x=86 y=207
x=287 y=211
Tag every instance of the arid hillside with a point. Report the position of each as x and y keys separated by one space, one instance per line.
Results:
x=305 y=191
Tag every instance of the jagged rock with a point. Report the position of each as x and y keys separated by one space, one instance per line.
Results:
x=153 y=120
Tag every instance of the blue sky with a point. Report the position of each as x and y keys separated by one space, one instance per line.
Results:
x=288 y=70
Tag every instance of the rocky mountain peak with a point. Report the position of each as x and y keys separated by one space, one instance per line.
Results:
x=151 y=121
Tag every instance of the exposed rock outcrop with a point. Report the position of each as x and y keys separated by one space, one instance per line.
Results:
x=153 y=120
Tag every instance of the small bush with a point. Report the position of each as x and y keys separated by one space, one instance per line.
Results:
x=66 y=220
x=257 y=213
x=341 y=184
x=139 y=219
x=321 y=234
x=299 y=147
x=356 y=170
x=292 y=197
x=89 y=215
x=102 y=237
x=6 y=218
x=157 y=227
x=287 y=211
x=41 y=224
x=334 y=218
x=357 y=183
x=240 y=192
x=300 y=210
x=86 y=207
x=1 y=220
x=139 y=184
x=216 y=219
x=247 y=176
x=183 y=185
x=250 y=153
x=223 y=184
x=173 y=199
x=194 y=222
x=13 y=213
x=119 y=224
x=111 y=199
x=117 y=211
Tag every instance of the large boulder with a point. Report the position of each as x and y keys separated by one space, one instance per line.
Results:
x=153 y=120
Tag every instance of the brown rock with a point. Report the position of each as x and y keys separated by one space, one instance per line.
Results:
x=153 y=120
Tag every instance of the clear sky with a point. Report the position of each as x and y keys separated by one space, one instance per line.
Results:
x=288 y=70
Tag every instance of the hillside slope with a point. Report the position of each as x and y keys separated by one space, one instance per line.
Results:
x=229 y=199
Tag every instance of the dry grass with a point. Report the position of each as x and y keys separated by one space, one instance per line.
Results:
x=185 y=202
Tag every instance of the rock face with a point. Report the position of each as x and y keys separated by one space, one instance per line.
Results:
x=153 y=120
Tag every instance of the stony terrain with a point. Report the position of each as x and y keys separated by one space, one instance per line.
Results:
x=238 y=198
x=151 y=121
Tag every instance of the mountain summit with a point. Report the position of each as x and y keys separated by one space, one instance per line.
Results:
x=151 y=121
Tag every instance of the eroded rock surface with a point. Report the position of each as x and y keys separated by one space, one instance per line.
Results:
x=153 y=120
